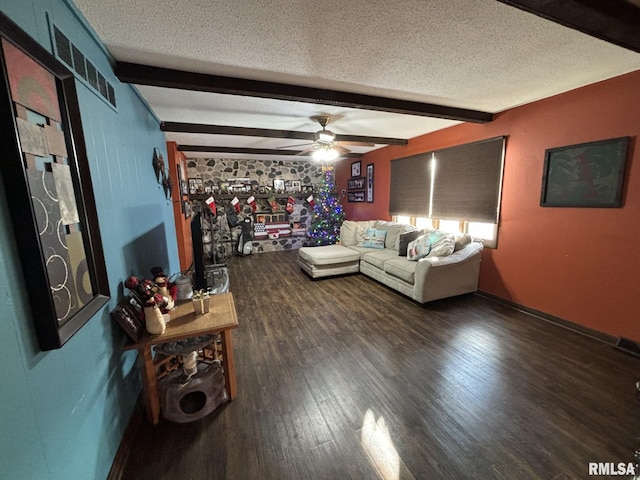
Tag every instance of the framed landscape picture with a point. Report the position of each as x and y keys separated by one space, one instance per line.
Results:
x=585 y=175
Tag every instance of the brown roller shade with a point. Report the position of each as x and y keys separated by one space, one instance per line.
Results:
x=468 y=181
x=410 y=188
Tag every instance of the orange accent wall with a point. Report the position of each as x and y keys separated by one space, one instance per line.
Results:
x=579 y=264
x=183 y=225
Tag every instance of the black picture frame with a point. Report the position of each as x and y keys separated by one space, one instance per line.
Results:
x=357 y=183
x=356 y=168
x=586 y=175
x=369 y=182
x=356 y=197
x=59 y=309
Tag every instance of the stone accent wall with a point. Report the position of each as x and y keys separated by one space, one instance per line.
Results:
x=260 y=172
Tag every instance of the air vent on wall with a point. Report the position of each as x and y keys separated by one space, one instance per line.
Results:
x=73 y=57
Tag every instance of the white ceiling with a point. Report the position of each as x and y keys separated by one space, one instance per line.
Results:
x=474 y=54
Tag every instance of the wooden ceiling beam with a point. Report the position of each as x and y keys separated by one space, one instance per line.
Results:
x=270 y=133
x=169 y=78
x=252 y=151
x=614 y=21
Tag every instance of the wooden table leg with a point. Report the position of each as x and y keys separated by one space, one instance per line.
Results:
x=149 y=385
x=229 y=365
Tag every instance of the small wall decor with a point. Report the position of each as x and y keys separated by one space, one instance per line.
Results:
x=46 y=177
x=158 y=166
x=355 y=168
x=196 y=186
x=356 y=196
x=278 y=185
x=369 y=177
x=355 y=183
x=161 y=173
x=585 y=175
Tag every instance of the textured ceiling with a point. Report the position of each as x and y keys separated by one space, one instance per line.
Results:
x=474 y=54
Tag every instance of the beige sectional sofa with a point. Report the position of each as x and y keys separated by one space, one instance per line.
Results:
x=429 y=278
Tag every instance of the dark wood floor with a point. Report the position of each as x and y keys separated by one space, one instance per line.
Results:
x=343 y=378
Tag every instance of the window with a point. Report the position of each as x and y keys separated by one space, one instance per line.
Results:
x=423 y=222
x=486 y=231
x=457 y=189
x=450 y=226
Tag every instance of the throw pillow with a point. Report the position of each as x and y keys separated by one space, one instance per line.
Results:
x=442 y=245
x=405 y=238
x=359 y=236
x=373 y=238
x=462 y=239
x=433 y=244
x=419 y=248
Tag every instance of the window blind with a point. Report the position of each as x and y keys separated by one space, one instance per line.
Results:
x=468 y=181
x=410 y=189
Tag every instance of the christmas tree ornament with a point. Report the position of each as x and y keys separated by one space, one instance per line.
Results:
x=290 y=203
x=252 y=201
x=212 y=205
x=236 y=204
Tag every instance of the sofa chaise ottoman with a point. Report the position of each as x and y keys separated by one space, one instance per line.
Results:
x=328 y=260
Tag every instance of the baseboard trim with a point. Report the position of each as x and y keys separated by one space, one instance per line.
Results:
x=628 y=346
x=127 y=442
x=560 y=322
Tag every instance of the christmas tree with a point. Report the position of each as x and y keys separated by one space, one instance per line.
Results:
x=328 y=215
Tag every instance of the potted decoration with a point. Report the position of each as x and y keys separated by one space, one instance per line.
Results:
x=200 y=301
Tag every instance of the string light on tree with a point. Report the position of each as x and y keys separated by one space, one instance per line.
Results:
x=328 y=214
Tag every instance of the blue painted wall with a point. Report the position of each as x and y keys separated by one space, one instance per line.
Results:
x=64 y=412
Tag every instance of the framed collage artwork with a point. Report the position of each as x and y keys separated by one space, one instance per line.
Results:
x=46 y=179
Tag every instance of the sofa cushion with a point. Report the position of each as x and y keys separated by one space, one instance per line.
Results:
x=348 y=233
x=405 y=238
x=393 y=229
x=352 y=230
x=433 y=244
x=377 y=258
x=401 y=268
x=373 y=238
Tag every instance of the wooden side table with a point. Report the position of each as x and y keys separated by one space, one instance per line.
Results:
x=221 y=319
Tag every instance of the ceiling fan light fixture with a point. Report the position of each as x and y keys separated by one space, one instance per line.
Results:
x=325 y=154
x=325 y=136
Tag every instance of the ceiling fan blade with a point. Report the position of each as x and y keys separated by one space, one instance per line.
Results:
x=358 y=144
x=341 y=149
x=294 y=146
x=305 y=151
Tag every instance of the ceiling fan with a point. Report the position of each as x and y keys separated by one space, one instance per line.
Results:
x=325 y=145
